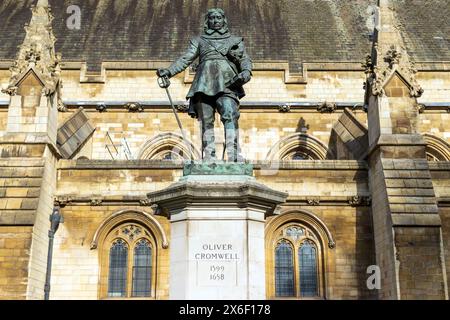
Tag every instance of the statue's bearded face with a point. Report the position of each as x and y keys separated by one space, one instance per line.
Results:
x=216 y=21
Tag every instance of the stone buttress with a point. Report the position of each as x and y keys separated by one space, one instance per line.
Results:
x=28 y=158
x=407 y=226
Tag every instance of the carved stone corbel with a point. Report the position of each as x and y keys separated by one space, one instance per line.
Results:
x=62 y=201
x=327 y=107
x=331 y=244
x=144 y=202
x=284 y=108
x=359 y=201
x=313 y=201
x=134 y=107
x=96 y=202
x=101 y=107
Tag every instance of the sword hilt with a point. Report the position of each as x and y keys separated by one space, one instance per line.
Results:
x=164 y=82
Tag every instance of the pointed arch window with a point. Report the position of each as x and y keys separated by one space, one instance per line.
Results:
x=131 y=261
x=297 y=263
x=284 y=270
x=118 y=258
x=307 y=258
x=142 y=269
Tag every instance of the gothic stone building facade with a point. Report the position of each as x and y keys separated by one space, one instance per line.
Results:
x=350 y=120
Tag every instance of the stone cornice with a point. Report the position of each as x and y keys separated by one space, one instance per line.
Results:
x=142 y=201
x=246 y=106
x=97 y=200
x=334 y=165
x=354 y=201
x=231 y=192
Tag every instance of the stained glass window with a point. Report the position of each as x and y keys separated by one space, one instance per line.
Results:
x=307 y=256
x=142 y=269
x=118 y=257
x=284 y=270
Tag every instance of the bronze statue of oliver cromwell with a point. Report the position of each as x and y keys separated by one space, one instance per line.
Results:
x=224 y=67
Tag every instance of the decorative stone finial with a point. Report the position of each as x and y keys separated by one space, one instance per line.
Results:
x=37 y=53
x=389 y=55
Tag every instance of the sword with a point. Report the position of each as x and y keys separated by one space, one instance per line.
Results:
x=164 y=83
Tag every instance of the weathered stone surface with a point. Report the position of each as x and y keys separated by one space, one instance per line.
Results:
x=152 y=16
x=419 y=256
x=21 y=182
x=14 y=260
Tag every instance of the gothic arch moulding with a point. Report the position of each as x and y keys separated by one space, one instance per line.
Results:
x=168 y=144
x=306 y=145
x=302 y=217
x=129 y=215
x=437 y=149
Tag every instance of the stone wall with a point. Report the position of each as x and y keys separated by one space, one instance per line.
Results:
x=260 y=129
x=436 y=123
x=436 y=85
x=123 y=86
x=136 y=85
x=420 y=265
x=76 y=267
x=121 y=185
x=15 y=242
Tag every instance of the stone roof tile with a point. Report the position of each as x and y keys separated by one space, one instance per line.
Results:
x=292 y=30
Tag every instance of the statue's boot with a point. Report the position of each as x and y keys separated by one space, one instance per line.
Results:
x=206 y=116
x=232 y=142
x=208 y=141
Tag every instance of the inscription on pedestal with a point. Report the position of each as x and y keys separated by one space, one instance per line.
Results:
x=217 y=262
x=216 y=274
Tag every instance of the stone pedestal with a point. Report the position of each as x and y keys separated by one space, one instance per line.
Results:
x=217 y=213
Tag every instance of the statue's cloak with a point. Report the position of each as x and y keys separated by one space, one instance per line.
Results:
x=221 y=59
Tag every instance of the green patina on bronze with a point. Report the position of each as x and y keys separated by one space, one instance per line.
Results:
x=224 y=67
x=217 y=168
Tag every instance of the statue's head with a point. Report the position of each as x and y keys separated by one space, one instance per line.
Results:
x=215 y=20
